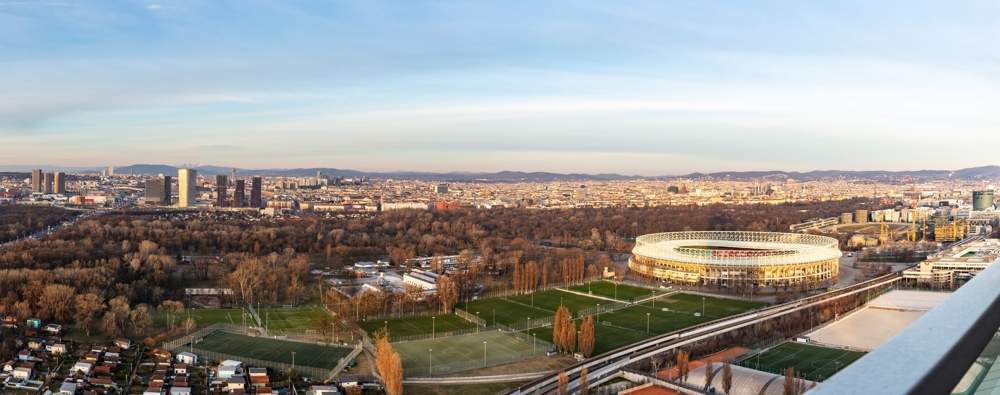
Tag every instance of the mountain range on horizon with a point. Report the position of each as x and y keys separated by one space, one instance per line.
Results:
x=990 y=172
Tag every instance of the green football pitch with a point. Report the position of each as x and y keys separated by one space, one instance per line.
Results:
x=294 y=319
x=306 y=354
x=513 y=310
x=666 y=314
x=201 y=317
x=464 y=352
x=623 y=292
x=811 y=362
x=410 y=326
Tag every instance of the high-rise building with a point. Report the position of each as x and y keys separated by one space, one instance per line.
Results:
x=221 y=185
x=168 y=186
x=154 y=191
x=186 y=188
x=239 y=194
x=59 y=183
x=47 y=183
x=255 y=200
x=36 y=181
x=441 y=188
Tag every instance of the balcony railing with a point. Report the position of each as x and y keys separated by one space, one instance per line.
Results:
x=933 y=354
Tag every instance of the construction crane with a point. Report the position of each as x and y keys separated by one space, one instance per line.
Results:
x=883 y=232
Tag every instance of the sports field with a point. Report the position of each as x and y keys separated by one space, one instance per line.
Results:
x=666 y=314
x=623 y=292
x=465 y=352
x=410 y=326
x=201 y=317
x=517 y=309
x=306 y=354
x=812 y=362
x=292 y=318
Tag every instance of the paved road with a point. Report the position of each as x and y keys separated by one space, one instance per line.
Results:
x=48 y=230
x=503 y=378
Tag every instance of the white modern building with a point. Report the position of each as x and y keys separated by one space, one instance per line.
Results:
x=955 y=264
x=423 y=279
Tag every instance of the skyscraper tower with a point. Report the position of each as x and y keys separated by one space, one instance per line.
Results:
x=36 y=181
x=255 y=187
x=59 y=183
x=221 y=186
x=167 y=190
x=239 y=194
x=186 y=180
x=47 y=183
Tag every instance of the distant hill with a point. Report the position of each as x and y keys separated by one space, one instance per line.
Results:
x=991 y=172
x=503 y=176
x=972 y=173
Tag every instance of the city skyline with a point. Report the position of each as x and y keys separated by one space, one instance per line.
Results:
x=561 y=87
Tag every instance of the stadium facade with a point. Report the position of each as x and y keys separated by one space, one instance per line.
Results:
x=737 y=259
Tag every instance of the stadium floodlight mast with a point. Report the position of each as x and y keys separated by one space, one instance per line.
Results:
x=484 y=353
x=702 y=306
x=647 y=323
x=477 y=322
x=293 y=360
x=430 y=361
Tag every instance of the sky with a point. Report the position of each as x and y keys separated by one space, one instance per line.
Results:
x=631 y=87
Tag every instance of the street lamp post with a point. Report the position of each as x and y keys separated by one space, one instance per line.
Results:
x=529 y=323
x=647 y=323
x=430 y=361
x=616 y=290
x=477 y=322
x=702 y=306
x=433 y=326
x=484 y=353
x=293 y=360
x=598 y=313
x=533 y=338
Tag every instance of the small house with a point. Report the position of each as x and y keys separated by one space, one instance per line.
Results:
x=187 y=358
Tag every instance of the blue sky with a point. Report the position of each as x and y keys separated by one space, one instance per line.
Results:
x=661 y=87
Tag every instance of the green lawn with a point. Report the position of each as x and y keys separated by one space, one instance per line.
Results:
x=624 y=292
x=201 y=317
x=812 y=362
x=306 y=354
x=294 y=319
x=409 y=326
x=458 y=353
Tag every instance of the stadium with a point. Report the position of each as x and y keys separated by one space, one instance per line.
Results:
x=737 y=259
